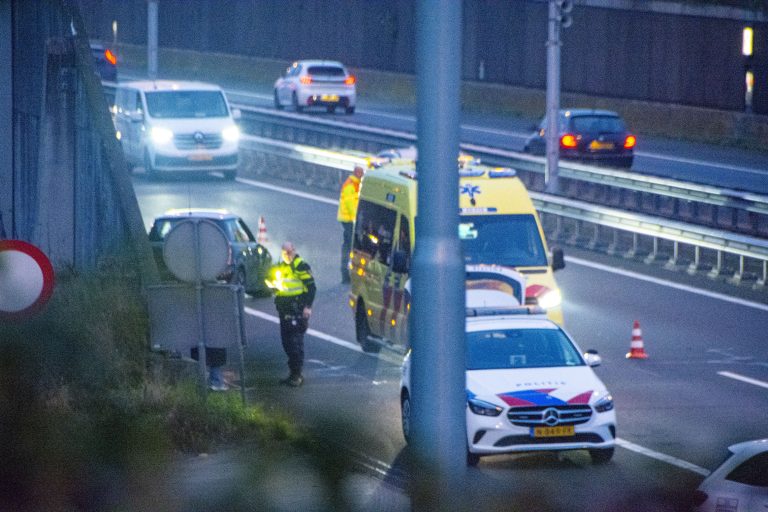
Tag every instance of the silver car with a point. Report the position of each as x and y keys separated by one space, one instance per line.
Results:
x=316 y=83
x=739 y=484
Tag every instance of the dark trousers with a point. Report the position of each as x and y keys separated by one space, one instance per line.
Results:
x=346 y=246
x=292 y=329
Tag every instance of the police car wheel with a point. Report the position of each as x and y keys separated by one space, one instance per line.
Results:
x=405 y=415
x=472 y=459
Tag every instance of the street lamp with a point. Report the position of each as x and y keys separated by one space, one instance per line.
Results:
x=559 y=16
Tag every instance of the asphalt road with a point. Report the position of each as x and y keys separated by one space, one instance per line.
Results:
x=703 y=387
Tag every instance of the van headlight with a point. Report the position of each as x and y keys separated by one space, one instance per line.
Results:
x=550 y=299
x=161 y=136
x=231 y=133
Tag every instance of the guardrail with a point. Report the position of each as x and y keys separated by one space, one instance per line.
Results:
x=694 y=247
x=722 y=208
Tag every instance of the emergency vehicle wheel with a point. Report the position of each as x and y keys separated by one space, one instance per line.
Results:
x=362 y=331
x=405 y=415
x=601 y=455
x=278 y=105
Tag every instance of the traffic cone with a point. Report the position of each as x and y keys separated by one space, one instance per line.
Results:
x=262 y=236
x=636 y=349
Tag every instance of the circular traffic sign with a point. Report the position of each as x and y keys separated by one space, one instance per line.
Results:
x=196 y=249
x=26 y=279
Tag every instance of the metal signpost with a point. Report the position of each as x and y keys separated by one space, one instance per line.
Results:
x=558 y=17
x=152 y=39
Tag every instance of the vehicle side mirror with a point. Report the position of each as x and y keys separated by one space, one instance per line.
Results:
x=400 y=262
x=236 y=114
x=136 y=116
x=558 y=259
x=592 y=358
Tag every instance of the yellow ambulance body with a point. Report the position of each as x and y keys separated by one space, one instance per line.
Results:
x=498 y=225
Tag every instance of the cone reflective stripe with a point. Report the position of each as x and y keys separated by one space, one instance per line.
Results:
x=262 y=236
x=636 y=348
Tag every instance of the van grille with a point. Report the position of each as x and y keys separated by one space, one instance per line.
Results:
x=197 y=140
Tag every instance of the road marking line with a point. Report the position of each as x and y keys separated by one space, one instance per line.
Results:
x=619 y=442
x=742 y=378
x=661 y=457
x=289 y=191
x=654 y=280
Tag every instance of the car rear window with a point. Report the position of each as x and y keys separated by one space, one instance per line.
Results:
x=326 y=71
x=597 y=124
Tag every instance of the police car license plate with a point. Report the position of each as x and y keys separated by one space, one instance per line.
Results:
x=200 y=157
x=564 y=430
x=329 y=97
x=597 y=145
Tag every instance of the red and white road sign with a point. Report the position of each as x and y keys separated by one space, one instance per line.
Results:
x=26 y=279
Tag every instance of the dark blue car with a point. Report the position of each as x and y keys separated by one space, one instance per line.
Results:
x=593 y=136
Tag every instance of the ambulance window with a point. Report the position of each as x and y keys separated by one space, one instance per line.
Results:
x=374 y=229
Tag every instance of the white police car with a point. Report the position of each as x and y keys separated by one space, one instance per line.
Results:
x=528 y=386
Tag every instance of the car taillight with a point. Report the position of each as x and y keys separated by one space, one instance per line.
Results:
x=111 y=57
x=630 y=142
x=350 y=80
x=306 y=80
x=568 y=141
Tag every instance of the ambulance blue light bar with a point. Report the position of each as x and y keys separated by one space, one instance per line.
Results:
x=502 y=172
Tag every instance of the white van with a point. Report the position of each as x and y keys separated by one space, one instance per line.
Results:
x=175 y=126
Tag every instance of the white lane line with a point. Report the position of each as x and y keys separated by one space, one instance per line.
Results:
x=289 y=191
x=742 y=378
x=619 y=442
x=331 y=339
x=660 y=282
x=661 y=457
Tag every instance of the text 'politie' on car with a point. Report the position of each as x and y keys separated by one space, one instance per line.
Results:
x=249 y=261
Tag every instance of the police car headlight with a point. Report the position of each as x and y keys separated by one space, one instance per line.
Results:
x=160 y=135
x=231 y=133
x=605 y=404
x=550 y=299
x=483 y=408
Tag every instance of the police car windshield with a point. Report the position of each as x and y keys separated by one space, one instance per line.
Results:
x=509 y=240
x=504 y=349
x=186 y=104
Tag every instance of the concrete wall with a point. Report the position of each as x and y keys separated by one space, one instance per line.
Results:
x=638 y=51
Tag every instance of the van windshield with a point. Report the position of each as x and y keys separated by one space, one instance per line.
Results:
x=508 y=240
x=186 y=104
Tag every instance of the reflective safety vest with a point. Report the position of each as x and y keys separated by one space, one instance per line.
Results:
x=290 y=280
x=350 y=192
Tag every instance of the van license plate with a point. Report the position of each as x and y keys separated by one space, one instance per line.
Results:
x=329 y=97
x=200 y=157
x=564 y=430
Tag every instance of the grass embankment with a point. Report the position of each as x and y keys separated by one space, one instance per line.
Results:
x=90 y=419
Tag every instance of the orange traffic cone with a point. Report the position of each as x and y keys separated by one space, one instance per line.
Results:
x=636 y=349
x=262 y=236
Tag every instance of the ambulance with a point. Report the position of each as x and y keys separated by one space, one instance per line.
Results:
x=498 y=226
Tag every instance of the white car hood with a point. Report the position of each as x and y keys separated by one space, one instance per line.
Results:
x=535 y=386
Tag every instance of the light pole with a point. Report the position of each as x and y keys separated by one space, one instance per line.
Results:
x=558 y=16
x=152 y=39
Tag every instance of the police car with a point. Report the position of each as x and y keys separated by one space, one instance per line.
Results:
x=529 y=387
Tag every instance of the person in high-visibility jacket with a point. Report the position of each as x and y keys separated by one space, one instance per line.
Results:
x=348 y=198
x=295 y=291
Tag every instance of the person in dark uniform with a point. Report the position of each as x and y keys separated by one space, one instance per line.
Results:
x=295 y=290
